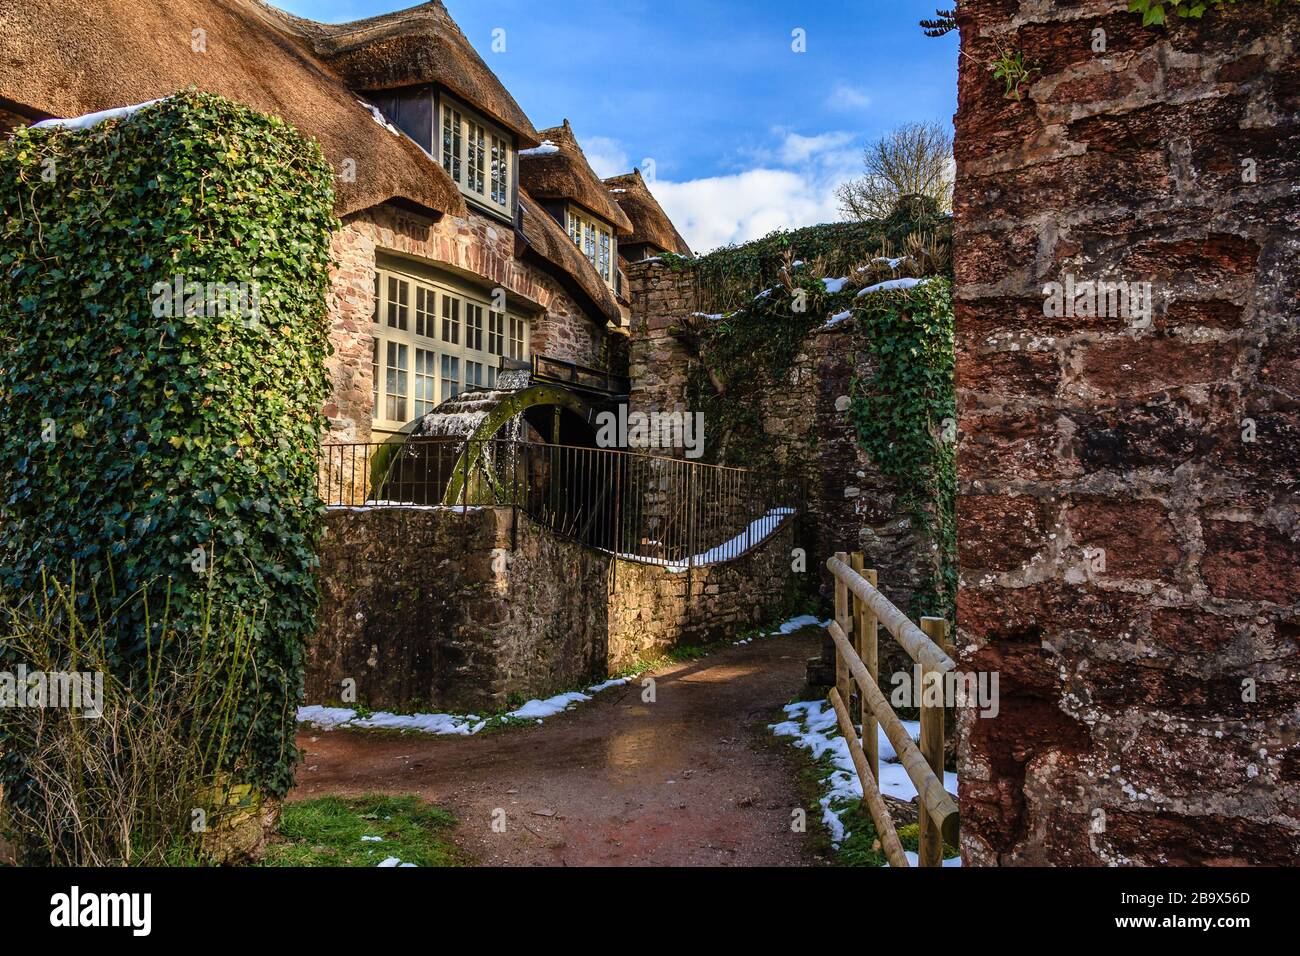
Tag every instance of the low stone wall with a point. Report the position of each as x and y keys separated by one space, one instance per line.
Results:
x=438 y=610
x=652 y=610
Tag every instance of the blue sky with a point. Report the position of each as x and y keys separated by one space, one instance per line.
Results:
x=745 y=134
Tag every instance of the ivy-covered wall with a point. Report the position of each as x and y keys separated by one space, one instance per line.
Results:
x=825 y=352
x=163 y=282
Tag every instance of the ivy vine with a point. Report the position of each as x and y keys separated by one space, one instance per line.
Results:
x=1153 y=11
x=757 y=305
x=905 y=417
x=168 y=450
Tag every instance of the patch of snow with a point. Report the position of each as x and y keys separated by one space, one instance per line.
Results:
x=393 y=861
x=890 y=285
x=93 y=119
x=546 y=149
x=711 y=316
x=837 y=318
x=795 y=623
x=461 y=725
x=541 y=709
x=835 y=286
x=814 y=727
x=372 y=839
x=759 y=530
x=789 y=627
x=914 y=860
x=892 y=263
x=378 y=117
x=326 y=718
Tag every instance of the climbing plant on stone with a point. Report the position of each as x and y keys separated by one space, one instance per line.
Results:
x=1154 y=11
x=758 y=302
x=163 y=282
x=905 y=415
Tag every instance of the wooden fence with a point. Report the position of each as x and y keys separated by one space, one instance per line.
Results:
x=859 y=610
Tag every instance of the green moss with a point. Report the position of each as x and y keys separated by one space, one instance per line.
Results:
x=328 y=832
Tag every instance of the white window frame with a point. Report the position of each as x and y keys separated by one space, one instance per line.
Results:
x=483 y=169
x=423 y=297
x=590 y=234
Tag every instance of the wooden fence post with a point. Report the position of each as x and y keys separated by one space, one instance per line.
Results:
x=931 y=848
x=867 y=633
x=843 y=678
x=872 y=659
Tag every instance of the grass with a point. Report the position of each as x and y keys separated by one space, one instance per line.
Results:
x=328 y=832
x=862 y=845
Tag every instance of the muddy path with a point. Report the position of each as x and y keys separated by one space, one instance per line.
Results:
x=694 y=778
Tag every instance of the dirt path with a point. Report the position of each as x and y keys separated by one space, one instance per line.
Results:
x=694 y=778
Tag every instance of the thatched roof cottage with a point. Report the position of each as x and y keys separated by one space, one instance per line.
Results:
x=446 y=191
x=652 y=231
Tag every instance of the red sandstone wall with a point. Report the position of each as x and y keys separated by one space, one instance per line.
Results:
x=1128 y=732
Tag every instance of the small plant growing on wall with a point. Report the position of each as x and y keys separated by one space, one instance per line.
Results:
x=1009 y=67
x=1155 y=12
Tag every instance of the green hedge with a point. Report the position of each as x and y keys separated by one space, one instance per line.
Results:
x=135 y=437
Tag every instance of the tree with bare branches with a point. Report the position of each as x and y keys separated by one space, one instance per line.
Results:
x=915 y=159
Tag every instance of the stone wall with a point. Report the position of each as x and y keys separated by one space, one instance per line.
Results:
x=850 y=505
x=652 y=609
x=475 y=246
x=436 y=610
x=1127 y=522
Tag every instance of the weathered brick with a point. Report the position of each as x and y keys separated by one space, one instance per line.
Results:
x=1151 y=363
x=1001 y=532
x=1250 y=562
x=1137 y=537
x=1129 y=166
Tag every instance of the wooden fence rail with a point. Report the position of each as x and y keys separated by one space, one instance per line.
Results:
x=854 y=631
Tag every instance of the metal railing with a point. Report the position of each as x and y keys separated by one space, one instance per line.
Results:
x=562 y=372
x=672 y=512
x=859 y=610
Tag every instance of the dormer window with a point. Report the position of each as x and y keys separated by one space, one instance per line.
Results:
x=478 y=155
x=595 y=240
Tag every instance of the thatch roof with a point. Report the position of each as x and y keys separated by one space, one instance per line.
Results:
x=411 y=47
x=560 y=171
x=650 y=224
x=70 y=57
x=552 y=245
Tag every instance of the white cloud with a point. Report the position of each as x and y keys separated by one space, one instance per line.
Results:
x=606 y=156
x=717 y=210
x=799 y=149
x=848 y=98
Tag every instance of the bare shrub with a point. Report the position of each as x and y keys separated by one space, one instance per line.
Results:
x=154 y=778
